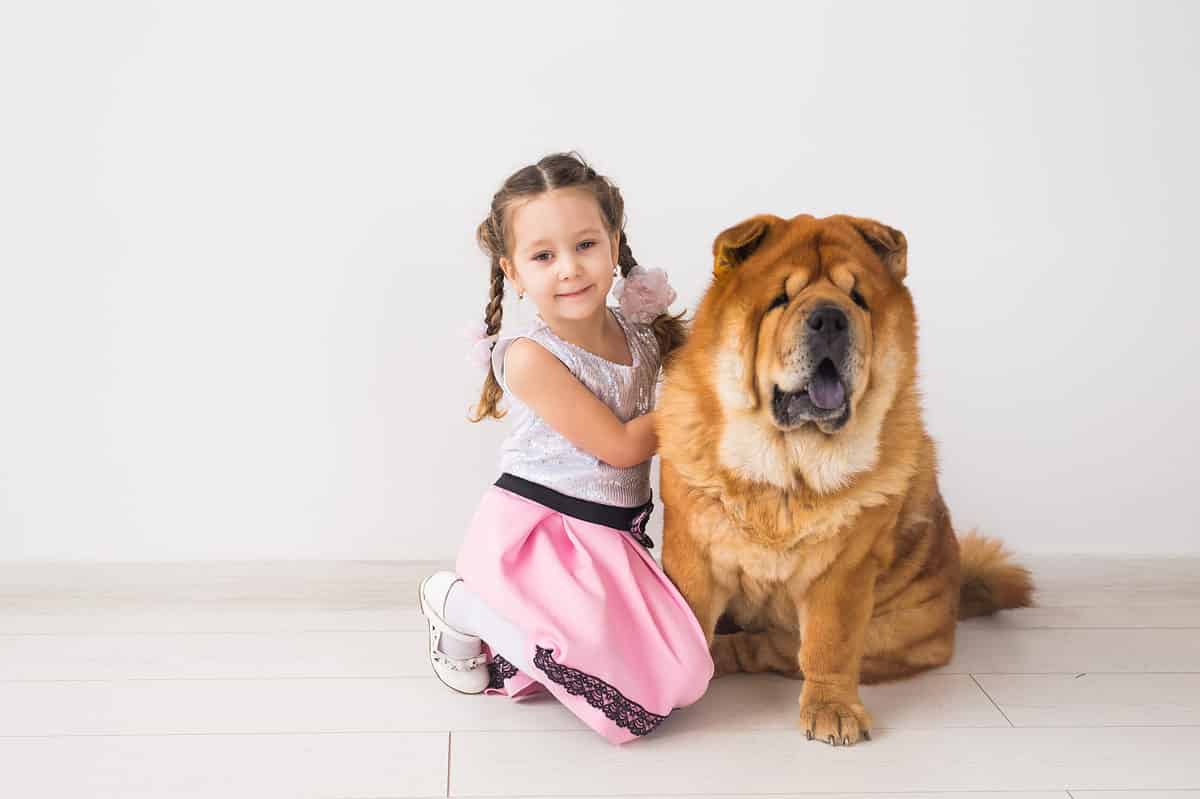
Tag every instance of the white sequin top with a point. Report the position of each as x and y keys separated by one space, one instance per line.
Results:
x=537 y=452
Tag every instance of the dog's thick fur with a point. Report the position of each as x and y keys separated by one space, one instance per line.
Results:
x=825 y=541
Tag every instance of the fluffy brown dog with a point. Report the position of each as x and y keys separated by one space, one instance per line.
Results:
x=799 y=484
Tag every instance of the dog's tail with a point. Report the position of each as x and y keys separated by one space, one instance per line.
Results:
x=990 y=580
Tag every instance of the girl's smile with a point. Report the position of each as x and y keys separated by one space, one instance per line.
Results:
x=578 y=293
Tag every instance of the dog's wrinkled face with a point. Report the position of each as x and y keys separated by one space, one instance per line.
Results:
x=807 y=298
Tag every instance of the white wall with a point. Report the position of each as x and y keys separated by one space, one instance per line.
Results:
x=236 y=246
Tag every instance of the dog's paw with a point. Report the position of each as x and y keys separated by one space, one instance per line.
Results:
x=835 y=723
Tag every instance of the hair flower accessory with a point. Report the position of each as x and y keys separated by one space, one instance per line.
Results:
x=643 y=294
x=481 y=344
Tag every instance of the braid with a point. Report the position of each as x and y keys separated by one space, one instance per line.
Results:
x=625 y=256
x=493 y=313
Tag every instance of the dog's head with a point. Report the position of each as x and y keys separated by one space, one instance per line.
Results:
x=807 y=329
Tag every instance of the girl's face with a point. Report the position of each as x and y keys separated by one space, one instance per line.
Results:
x=562 y=256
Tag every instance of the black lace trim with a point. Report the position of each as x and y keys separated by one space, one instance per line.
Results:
x=623 y=712
x=499 y=670
x=638 y=528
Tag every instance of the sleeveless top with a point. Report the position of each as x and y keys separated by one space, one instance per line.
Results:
x=539 y=453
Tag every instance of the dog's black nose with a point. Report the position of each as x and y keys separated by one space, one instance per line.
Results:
x=828 y=332
x=828 y=319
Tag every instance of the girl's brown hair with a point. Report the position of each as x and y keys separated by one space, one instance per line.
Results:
x=556 y=171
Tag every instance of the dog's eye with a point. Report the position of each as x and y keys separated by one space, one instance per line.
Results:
x=858 y=300
x=782 y=299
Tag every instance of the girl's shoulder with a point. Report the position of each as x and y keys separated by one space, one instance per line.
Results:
x=537 y=331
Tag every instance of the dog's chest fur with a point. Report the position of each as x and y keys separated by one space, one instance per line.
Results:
x=767 y=583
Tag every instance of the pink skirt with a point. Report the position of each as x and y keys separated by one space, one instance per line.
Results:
x=610 y=636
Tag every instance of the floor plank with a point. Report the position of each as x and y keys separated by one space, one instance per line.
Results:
x=416 y=704
x=201 y=655
x=940 y=795
x=1135 y=794
x=1178 y=616
x=1091 y=700
x=262 y=766
x=1132 y=586
x=225 y=617
x=211 y=597
x=146 y=707
x=748 y=762
x=986 y=646
x=353 y=583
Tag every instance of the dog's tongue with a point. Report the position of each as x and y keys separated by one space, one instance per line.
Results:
x=825 y=389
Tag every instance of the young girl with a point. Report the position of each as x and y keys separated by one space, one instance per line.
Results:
x=554 y=573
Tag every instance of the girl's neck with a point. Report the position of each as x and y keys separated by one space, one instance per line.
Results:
x=598 y=333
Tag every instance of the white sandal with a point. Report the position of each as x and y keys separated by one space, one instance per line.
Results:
x=465 y=675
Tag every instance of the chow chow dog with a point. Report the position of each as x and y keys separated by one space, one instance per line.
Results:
x=800 y=493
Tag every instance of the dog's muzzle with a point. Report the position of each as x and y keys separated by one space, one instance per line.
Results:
x=823 y=397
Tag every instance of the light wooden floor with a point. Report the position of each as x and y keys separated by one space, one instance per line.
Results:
x=310 y=680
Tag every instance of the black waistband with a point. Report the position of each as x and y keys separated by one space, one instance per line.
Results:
x=630 y=520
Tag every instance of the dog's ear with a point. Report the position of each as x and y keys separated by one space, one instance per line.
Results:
x=733 y=246
x=887 y=242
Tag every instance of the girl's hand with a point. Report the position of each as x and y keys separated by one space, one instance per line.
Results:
x=544 y=383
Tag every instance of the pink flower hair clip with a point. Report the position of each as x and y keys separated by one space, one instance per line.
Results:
x=481 y=344
x=643 y=294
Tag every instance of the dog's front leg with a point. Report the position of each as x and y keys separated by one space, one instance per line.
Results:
x=688 y=566
x=685 y=559
x=837 y=608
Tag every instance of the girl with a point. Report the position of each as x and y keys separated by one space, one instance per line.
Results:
x=554 y=573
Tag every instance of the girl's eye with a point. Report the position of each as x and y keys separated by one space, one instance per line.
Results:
x=782 y=299
x=587 y=244
x=858 y=300
x=539 y=257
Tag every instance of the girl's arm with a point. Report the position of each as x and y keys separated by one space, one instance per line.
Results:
x=542 y=382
